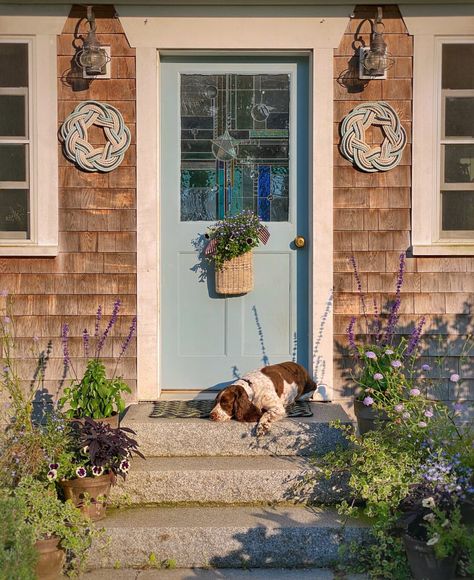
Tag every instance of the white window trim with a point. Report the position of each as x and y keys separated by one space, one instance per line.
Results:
x=40 y=28
x=430 y=25
x=314 y=30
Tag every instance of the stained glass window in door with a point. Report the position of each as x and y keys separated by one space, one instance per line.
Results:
x=234 y=145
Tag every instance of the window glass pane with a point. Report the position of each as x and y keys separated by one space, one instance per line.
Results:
x=13 y=162
x=12 y=116
x=458 y=210
x=13 y=64
x=459 y=116
x=459 y=163
x=14 y=210
x=234 y=145
x=458 y=67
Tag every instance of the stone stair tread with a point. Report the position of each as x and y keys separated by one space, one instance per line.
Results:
x=226 y=517
x=223 y=480
x=225 y=537
x=201 y=437
x=225 y=463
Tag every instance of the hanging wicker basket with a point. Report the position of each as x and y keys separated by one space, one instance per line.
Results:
x=236 y=275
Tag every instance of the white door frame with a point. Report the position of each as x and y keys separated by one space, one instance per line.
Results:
x=311 y=29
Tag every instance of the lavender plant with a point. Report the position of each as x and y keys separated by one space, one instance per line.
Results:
x=94 y=395
x=234 y=236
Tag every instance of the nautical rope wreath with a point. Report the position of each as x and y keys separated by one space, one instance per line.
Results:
x=373 y=158
x=74 y=136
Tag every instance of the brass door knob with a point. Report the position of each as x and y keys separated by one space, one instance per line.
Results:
x=300 y=242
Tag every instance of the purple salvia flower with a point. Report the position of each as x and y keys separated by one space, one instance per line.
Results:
x=415 y=337
x=131 y=332
x=85 y=342
x=97 y=321
x=65 y=343
x=350 y=334
x=112 y=321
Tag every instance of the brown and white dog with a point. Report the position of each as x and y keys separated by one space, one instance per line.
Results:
x=263 y=395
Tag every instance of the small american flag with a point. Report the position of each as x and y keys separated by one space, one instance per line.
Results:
x=211 y=247
x=263 y=234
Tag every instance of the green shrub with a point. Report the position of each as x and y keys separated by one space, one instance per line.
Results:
x=17 y=552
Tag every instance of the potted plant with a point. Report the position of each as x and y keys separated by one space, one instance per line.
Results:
x=434 y=535
x=57 y=527
x=94 y=395
x=383 y=367
x=230 y=246
x=88 y=469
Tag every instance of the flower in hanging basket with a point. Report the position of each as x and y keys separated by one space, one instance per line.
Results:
x=234 y=236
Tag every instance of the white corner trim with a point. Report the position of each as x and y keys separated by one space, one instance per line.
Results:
x=147 y=223
x=322 y=224
x=33 y=19
x=444 y=19
x=235 y=27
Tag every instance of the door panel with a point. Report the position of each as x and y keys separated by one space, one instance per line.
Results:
x=234 y=136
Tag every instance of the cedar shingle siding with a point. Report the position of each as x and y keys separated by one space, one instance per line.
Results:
x=372 y=222
x=97 y=259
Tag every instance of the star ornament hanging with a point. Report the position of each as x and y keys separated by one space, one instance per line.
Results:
x=225 y=147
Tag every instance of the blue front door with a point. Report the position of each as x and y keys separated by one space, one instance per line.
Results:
x=234 y=136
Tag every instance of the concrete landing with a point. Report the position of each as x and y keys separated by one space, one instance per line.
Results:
x=225 y=537
x=201 y=437
x=222 y=480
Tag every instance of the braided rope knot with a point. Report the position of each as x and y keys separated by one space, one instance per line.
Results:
x=373 y=158
x=74 y=136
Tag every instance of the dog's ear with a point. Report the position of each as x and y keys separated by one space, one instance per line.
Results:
x=244 y=410
x=226 y=399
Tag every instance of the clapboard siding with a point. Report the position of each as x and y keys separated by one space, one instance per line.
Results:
x=97 y=221
x=372 y=221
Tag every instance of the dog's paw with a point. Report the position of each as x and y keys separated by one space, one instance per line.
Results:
x=262 y=429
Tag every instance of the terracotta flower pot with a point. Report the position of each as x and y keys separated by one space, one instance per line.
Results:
x=424 y=564
x=89 y=494
x=51 y=559
x=368 y=417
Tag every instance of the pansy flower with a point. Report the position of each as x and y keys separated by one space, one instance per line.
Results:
x=124 y=466
x=52 y=474
x=97 y=470
x=81 y=472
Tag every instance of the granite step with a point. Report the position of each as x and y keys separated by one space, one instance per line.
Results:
x=225 y=537
x=223 y=480
x=200 y=437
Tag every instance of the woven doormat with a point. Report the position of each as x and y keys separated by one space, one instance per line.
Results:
x=201 y=409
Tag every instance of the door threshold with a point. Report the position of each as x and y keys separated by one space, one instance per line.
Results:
x=187 y=395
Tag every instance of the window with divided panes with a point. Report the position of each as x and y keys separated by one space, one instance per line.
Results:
x=15 y=140
x=457 y=140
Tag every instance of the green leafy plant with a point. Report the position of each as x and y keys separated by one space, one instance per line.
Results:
x=18 y=555
x=94 y=395
x=47 y=516
x=234 y=236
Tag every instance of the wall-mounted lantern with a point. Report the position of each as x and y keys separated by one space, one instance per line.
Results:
x=374 y=60
x=93 y=58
